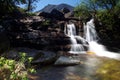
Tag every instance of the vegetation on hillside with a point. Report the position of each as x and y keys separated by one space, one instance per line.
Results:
x=106 y=13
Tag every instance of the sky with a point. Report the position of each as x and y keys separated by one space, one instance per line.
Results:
x=42 y=3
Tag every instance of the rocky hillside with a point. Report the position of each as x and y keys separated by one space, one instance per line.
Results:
x=42 y=30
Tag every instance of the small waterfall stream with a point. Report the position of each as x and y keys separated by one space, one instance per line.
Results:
x=90 y=33
x=75 y=46
x=90 y=37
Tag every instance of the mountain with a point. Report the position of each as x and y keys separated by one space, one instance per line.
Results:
x=62 y=6
x=50 y=7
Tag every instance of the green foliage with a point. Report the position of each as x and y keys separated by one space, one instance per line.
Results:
x=86 y=6
x=106 y=12
x=82 y=11
x=46 y=22
x=86 y=9
x=31 y=14
x=107 y=19
x=109 y=70
x=30 y=5
x=110 y=24
x=15 y=70
x=8 y=6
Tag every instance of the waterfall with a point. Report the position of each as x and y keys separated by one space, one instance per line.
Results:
x=91 y=37
x=90 y=33
x=75 y=46
x=71 y=30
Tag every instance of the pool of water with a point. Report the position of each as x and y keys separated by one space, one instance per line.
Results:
x=88 y=69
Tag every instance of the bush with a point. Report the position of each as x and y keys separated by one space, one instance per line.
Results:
x=110 y=25
x=15 y=70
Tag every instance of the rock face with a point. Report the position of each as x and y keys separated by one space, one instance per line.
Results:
x=36 y=34
x=43 y=30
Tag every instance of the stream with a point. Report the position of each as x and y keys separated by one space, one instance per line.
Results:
x=86 y=70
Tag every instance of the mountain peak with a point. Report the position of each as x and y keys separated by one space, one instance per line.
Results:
x=58 y=7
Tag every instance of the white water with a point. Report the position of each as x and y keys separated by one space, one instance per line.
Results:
x=90 y=36
x=71 y=30
x=90 y=33
x=75 y=47
x=98 y=49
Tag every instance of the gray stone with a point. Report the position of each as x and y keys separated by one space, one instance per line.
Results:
x=66 y=61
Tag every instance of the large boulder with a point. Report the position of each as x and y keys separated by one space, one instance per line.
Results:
x=45 y=57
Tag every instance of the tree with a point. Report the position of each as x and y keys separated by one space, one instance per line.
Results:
x=7 y=6
x=82 y=10
x=107 y=4
x=95 y=5
x=30 y=4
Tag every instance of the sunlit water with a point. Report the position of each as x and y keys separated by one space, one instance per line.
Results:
x=92 y=38
x=100 y=50
x=90 y=33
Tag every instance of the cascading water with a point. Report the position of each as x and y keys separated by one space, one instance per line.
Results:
x=90 y=35
x=75 y=47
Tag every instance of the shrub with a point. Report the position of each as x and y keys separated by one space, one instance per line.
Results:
x=15 y=70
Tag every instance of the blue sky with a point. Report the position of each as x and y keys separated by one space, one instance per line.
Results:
x=42 y=3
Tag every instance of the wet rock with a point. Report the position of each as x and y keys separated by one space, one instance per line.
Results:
x=44 y=57
x=66 y=61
